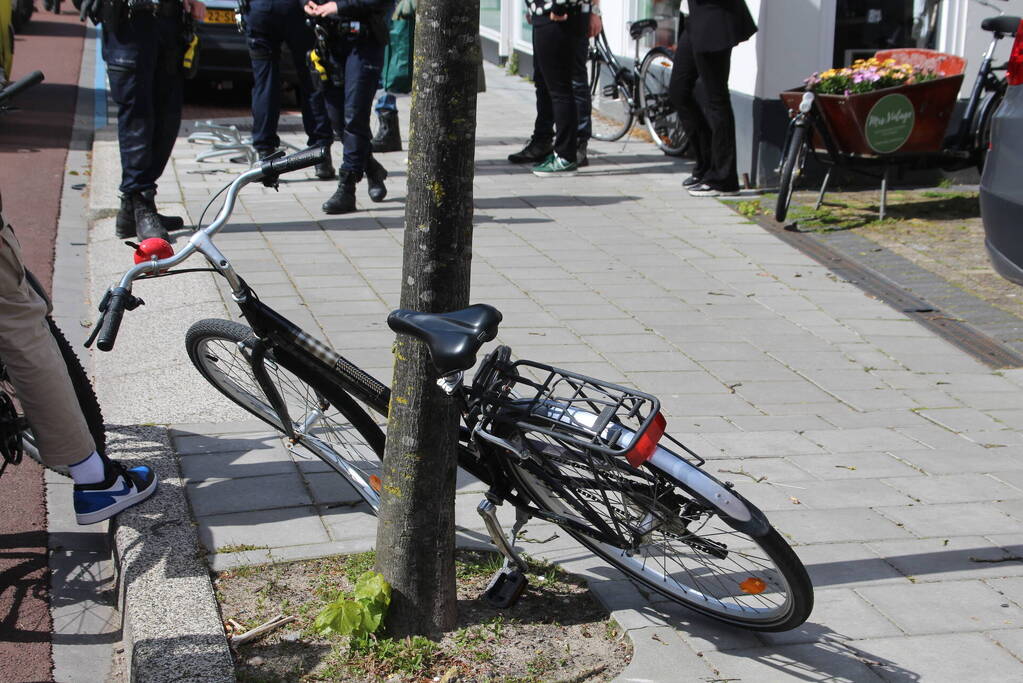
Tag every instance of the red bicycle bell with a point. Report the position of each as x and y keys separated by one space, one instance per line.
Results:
x=151 y=248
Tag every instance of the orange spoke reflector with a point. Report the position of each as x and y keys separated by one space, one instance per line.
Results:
x=753 y=586
x=375 y=483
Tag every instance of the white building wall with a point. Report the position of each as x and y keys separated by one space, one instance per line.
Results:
x=961 y=34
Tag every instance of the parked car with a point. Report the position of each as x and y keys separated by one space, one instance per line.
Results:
x=1001 y=186
x=224 y=51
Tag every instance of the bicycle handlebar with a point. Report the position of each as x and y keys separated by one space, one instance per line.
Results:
x=293 y=162
x=25 y=83
x=112 y=318
x=119 y=297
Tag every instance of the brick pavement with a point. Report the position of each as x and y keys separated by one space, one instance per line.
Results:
x=890 y=459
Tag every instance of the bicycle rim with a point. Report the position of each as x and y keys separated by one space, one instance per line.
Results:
x=659 y=114
x=791 y=170
x=679 y=549
x=610 y=111
x=83 y=390
x=344 y=437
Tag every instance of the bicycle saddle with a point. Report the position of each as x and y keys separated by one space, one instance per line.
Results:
x=453 y=338
x=1004 y=24
x=640 y=27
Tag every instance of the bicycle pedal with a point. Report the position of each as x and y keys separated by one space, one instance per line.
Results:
x=610 y=91
x=505 y=588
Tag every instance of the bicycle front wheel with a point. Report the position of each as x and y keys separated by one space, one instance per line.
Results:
x=659 y=114
x=610 y=108
x=326 y=420
x=23 y=438
x=791 y=170
x=676 y=546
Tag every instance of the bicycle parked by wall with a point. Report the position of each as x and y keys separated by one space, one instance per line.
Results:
x=621 y=96
x=582 y=453
x=809 y=134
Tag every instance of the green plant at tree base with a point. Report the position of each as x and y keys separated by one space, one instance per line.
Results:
x=513 y=64
x=358 y=617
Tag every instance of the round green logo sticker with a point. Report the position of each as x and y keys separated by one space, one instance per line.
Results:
x=889 y=123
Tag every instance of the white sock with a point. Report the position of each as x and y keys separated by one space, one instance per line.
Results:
x=92 y=470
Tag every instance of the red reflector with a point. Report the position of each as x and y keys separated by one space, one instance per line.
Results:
x=647 y=442
x=1014 y=73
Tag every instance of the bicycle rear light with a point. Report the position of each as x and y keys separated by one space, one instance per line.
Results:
x=1014 y=72
x=646 y=444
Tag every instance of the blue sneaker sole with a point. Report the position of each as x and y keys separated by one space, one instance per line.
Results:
x=122 y=504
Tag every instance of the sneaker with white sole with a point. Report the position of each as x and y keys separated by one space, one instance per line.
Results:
x=121 y=489
x=555 y=166
x=705 y=190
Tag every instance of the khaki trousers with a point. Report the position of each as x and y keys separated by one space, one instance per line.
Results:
x=35 y=365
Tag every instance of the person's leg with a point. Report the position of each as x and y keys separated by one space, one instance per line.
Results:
x=167 y=84
x=553 y=47
x=541 y=143
x=130 y=55
x=264 y=38
x=581 y=87
x=362 y=73
x=300 y=40
x=714 y=68
x=681 y=89
x=35 y=365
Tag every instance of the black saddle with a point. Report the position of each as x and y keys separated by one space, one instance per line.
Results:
x=1004 y=24
x=640 y=27
x=453 y=338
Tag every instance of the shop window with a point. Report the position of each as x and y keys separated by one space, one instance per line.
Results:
x=862 y=27
x=490 y=14
x=666 y=13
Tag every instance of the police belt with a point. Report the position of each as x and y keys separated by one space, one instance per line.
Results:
x=345 y=28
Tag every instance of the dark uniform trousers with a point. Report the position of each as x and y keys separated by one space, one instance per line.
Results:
x=555 y=49
x=357 y=61
x=269 y=24
x=143 y=57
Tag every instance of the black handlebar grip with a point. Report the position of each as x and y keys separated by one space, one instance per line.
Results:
x=112 y=319
x=23 y=84
x=293 y=162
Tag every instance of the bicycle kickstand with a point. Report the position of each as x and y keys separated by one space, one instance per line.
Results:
x=509 y=582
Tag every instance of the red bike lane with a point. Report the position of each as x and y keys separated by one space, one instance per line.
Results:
x=34 y=141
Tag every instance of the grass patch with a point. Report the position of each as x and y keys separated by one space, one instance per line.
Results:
x=240 y=548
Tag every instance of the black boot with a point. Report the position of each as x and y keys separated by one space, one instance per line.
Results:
x=325 y=170
x=343 y=199
x=388 y=137
x=375 y=177
x=580 y=154
x=535 y=151
x=169 y=223
x=147 y=221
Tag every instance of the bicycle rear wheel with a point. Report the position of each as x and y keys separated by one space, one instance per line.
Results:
x=679 y=548
x=659 y=114
x=610 y=109
x=791 y=170
x=327 y=421
x=15 y=431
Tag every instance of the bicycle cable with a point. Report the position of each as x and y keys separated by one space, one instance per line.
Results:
x=197 y=227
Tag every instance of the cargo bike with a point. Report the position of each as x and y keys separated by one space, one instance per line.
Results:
x=902 y=127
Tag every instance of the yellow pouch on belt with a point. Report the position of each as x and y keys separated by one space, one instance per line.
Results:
x=317 y=64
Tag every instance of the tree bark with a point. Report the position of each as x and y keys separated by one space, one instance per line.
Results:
x=416 y=532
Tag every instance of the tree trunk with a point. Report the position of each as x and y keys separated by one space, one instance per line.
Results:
x=416 y=533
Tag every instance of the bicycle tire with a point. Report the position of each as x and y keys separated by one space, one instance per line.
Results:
x=214 y=347
x=83 y=390
x=982 y=137
x=686 y=572
x=659 y=114
x=610 y=113
x=792 y=168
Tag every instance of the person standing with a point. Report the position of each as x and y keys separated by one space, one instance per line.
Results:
x=541 y=143
x=356 y=34
x=558 y=27
x=704 y=52
x=268 y=24
x=143 y=47
x=396 y=77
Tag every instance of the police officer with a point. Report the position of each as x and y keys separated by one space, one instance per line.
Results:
x=356 y=34
x=269 y=23
x=143 y=46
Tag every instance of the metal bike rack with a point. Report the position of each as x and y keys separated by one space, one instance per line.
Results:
x=226 y=140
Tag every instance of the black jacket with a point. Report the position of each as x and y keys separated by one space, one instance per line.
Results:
x=718 y=24
x=373 y=13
